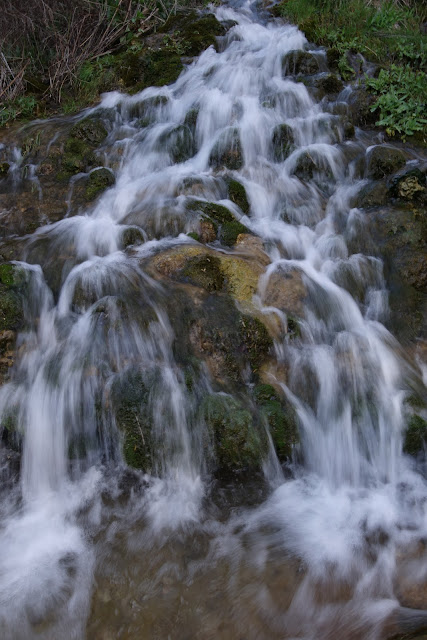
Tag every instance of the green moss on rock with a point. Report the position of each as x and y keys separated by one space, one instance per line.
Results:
x=4 y=169
x=416 y=435
x=237 y=442
x=90 y=130
x=256 y=340
x=130 y=398
x=229 y=227
x=227 y=152
x=279 y=418
x=299 y=63
x=12 y=281
x=237 y=194
x=383 y=160
x=205 y=271
x=99 y=180
x=180 y=143
x=282 y=141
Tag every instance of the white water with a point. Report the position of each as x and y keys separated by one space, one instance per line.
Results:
x=354 y=502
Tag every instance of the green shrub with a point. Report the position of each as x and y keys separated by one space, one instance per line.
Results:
x=402 y=101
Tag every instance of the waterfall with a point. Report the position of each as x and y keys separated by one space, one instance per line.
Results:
x=312 y=550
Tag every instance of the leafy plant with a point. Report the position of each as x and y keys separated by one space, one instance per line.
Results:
x=402 y=101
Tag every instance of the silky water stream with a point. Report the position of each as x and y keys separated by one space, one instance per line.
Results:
x=313 y=549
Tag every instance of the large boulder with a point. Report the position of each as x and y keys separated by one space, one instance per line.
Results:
x=299 y=63
x=383 y=160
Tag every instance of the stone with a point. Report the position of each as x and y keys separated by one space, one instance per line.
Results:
x=227 y=152
x=299 y=63
x=99 y=180
x=383 y=161
x=282 y=141
x=286 y=291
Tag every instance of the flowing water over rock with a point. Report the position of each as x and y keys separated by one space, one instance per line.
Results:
x=207 y=291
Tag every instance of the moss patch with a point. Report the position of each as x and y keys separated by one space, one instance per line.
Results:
x=99 y=180
x=130 y=396
x=237 y=194
x=280 y=419
x=416 y=435
x=205 y=271
x=238 y=444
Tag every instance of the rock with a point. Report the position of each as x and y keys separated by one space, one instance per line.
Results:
x=237 y=194
x=179 y=142
x=90 y=130
x=286 y=291
x=360 y=103
x=12 y=282
x=214 y=271
x=416 y=435
x=99 y=180
x=207 y=232
x=399 y=233
x=196 y=33
x=409 y=185
x=329 y=85
x=305 y=167
x=374 y=194
x=228 y=227
x=146 y=109
x=130 y=398
x=132 y=236
x=12 y=288
x=4 y=169
x=204 y=271
x=227 y=152
x=383 y=161
x=299 y=63
x=237 y=442
x=280 y=418
x=282 y=141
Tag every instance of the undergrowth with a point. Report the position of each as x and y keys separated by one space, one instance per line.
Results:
x=387 y=33
x=57 y=52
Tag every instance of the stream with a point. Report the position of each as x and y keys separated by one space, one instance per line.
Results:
x=318 y=547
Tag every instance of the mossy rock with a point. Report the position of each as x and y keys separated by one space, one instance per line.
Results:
x=205 y=271
x=153 y=69
x=374 y=194
x=282 y=141
x=299 y=63
x=90 y=130
x=98 y=181
x=146 y=109
x=130 y=402
x=360 y=104
x=179 y=142
x=191 y=119
x=227 y=152
x=305 y=167
x=256 y=340
x=12 y=284
x=4 y=169
x=238 y=443
x=409 y=185
x=78 y=157
x=416 y=435
x=329 y=85
x=237 y=194
x=132 y=236
x=195 y=33
x=229 y=227
x=383 y=161
x=281 y=421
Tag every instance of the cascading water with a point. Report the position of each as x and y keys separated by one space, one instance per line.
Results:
x=318 y=554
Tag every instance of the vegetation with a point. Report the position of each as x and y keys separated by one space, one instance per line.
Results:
x=390 y=34
x=55 y=52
